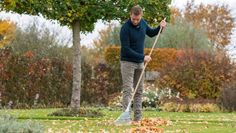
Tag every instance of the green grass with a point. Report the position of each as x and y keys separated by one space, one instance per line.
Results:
x=181 y=122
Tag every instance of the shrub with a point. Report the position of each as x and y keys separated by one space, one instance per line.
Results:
x=150 y=98
x=227 y=97
x=169 y=107
x=189 y=105
x=181 y=107
x=197 y=74
x=28 y=81
x=160 y=57
x=115 y=100
x=82 y=112
x=206 y=108
x=9 y=124
x=23 y=77
x=153 y=96
x=99 y=88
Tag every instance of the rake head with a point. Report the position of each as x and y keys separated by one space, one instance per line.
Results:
x=124 y=118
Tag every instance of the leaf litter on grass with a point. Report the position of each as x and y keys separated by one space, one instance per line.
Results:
x=150 y=125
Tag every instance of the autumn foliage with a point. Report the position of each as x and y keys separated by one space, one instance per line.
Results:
x=99 y=87
x=197 y=74
x=160 y=57
x=150 y=125
x=216 y=20
x=23 y=77
x=7 y=32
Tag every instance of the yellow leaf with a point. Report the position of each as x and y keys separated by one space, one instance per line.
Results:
x=62 y=18
x=7 y=32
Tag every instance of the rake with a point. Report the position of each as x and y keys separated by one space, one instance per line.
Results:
x=125 y=117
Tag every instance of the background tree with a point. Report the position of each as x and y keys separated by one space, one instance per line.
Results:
x=81 y=16
x=215 y=19
x=179 y=34
x=41 y=42
x=183 y=35
x=175 y=13
x=107 y=37
x=7 y=32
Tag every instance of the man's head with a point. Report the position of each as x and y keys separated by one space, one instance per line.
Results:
x=136 y=14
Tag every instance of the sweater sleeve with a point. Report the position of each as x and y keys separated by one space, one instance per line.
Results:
x=151 y=32
x=125 y=46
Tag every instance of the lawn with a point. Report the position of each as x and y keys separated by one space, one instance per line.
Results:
x=181 y=122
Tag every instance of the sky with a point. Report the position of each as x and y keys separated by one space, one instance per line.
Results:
x=86 y=39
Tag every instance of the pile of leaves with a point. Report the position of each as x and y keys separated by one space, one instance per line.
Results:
x=150 y=126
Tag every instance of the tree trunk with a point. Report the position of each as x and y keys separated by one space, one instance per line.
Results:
x=75 y=98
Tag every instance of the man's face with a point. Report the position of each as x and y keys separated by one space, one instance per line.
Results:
x=135 y=19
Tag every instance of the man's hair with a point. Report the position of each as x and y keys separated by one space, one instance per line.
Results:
x=136 y=10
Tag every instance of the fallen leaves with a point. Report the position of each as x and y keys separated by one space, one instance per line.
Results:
x=149 y=126
x=147 y=130
x=152 y=122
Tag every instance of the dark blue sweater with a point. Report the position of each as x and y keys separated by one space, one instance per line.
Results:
x=132 y=40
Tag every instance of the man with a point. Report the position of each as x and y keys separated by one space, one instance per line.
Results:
x=132 y=36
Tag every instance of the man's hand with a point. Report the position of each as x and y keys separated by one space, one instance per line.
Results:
x=163 y=24
x=147 y=58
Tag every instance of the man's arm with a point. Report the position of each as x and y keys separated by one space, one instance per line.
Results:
x=125 y=46
x=152 y=32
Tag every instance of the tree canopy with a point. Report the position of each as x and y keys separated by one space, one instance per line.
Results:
x=88 y=11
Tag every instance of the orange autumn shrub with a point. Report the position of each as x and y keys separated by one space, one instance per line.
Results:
x=197 y=74
x=23 y=78
x=160 y=57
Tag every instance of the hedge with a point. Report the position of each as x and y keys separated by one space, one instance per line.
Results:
x=160 y=57
x=23 y=78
